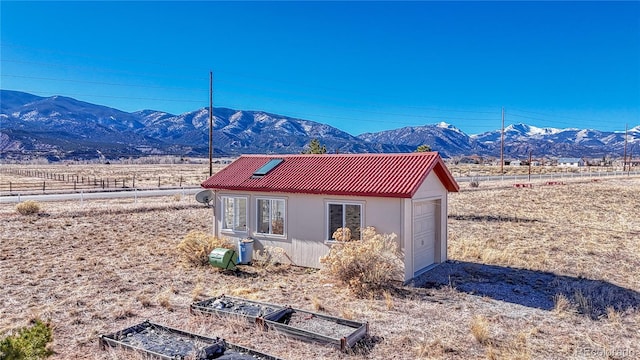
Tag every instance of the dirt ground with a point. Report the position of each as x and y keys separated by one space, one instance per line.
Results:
x=546 y=272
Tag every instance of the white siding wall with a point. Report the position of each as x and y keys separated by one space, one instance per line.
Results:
x=306 y=222
x=431 y=189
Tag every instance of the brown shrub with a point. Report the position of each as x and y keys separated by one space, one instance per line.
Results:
x=28 y=207
x=195 y=247
x=342 y=234
x=365 y=266
x=480 y=329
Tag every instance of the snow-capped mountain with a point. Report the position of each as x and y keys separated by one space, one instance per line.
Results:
x=520 y=138
x=515 y=132
x=62 y=127
x=237 y=131
x=65 y=127
x=442 y=137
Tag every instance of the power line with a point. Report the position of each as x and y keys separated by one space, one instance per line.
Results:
x=539 y=113
x=572 y=125
x=35 y=92
x=103 y=70
x=85 y=56
x=235 y=74
x=417 y=116
x=245 y=85
x=298 y=115
x=303 y=115
x=99 y=82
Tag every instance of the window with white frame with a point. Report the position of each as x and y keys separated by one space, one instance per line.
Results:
x=234 y=213
x=270 y=217
x=344 y=216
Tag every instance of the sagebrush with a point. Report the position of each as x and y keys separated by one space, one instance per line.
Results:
x=29 y=343
x=195 y=247
x=28 y=207
x=365 y=266
x=342 y=234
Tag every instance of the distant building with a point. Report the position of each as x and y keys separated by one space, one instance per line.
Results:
x=571 y=162
x=515 y=163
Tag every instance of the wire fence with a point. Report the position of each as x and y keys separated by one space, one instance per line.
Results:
x=548 y=177
x=33 y=181
x=30 y=181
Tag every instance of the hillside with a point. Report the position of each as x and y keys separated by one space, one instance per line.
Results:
x=64 y=128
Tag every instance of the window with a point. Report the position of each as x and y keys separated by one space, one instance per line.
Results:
x=234 y=213
x=344 y=216
x=270 y=216
x=266 y=168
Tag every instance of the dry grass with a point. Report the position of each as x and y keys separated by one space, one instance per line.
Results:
x=195 y=247
x=87 y=177
x=29 y=207
x=480 y=329
x=486 y=170
x=100 y=266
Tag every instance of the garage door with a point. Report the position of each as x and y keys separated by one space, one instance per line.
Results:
x=424 y=234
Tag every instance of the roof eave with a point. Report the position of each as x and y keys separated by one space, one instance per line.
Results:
x=308 y=191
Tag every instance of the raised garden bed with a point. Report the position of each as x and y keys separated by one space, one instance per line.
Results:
x=168 y=343
x=310 y=326
x=254 y=311
x=301 y=324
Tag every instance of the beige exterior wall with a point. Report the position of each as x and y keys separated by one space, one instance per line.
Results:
x=431 y=189
x=306 y=223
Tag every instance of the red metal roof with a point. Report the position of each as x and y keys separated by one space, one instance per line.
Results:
x=377 y=175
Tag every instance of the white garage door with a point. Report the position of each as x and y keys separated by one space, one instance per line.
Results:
x=424 y=234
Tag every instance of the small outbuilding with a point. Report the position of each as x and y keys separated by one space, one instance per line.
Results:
x=571 y=162
x=297 y=202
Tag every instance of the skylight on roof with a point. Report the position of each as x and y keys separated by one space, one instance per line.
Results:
x=266 y=168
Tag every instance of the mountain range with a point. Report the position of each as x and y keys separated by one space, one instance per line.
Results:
x=60 y=127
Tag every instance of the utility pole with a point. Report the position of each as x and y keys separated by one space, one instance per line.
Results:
x=529 y=165
x=624 y=161
x=502 y=145
x=210 y=123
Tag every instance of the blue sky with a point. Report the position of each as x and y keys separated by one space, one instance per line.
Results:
x=359 y=66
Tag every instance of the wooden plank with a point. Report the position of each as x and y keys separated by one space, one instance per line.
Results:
x=300 y=324
x=170 y=343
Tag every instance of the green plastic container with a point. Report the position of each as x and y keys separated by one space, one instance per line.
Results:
x=223 y=258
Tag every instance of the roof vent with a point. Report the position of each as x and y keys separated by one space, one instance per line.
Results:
x=266 y=168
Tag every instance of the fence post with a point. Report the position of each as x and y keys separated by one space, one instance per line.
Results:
x=43 y=186
x=158 y=182
x=134 y=181
x=9 y=187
